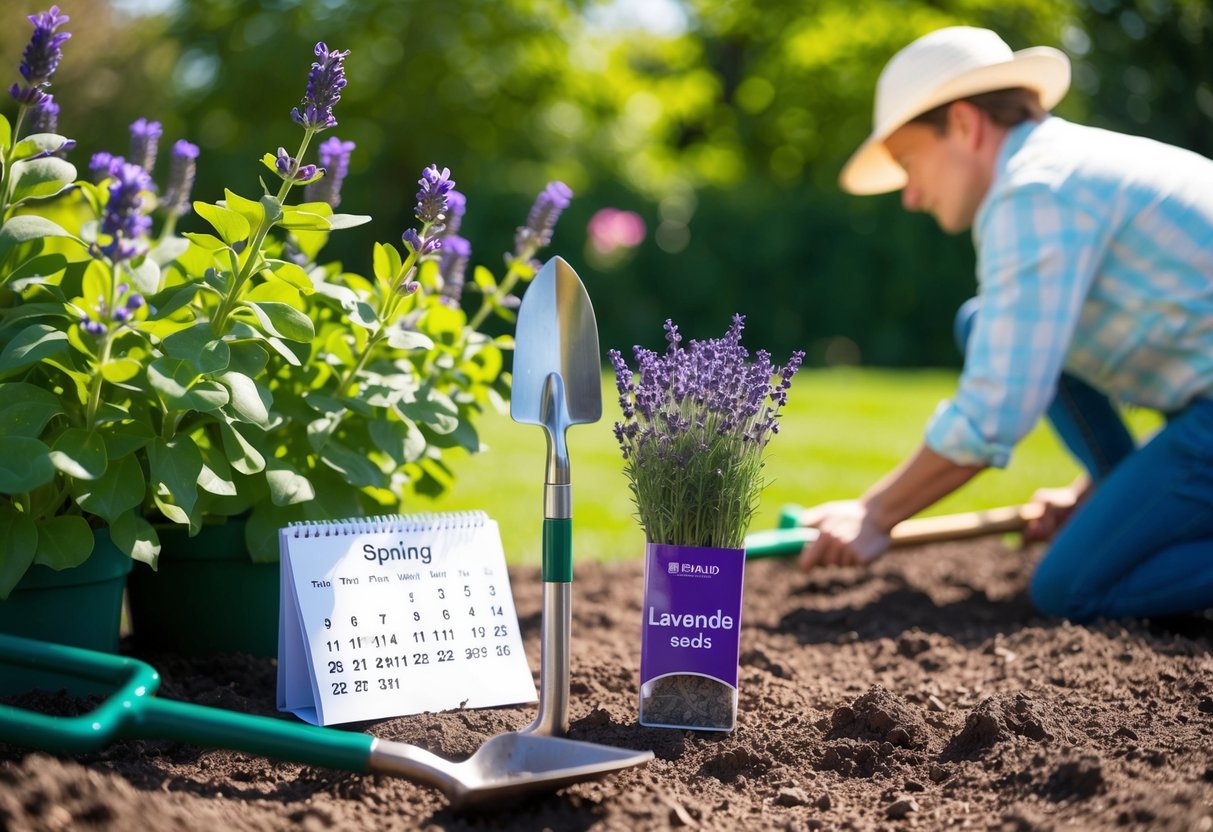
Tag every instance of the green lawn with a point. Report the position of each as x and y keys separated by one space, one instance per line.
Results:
x=842 y=430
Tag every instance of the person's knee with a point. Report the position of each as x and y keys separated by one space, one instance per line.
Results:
x=962 y=326
x=1054 y=592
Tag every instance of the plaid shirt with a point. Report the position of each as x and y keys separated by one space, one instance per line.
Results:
x=1095 y=256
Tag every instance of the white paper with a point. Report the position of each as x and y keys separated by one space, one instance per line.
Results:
x=368 y=629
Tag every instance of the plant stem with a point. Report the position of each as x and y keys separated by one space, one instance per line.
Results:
x=228 y=305
x=507 y=283
x=107 y=345
x=6 y=186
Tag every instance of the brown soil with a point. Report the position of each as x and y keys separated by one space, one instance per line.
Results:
x=924 y=694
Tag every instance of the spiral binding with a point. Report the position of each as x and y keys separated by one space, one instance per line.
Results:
x=389 y=523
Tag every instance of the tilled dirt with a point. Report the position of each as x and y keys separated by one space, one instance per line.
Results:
x=922 y=694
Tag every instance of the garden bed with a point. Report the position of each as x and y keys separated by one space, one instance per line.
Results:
x=924 y=693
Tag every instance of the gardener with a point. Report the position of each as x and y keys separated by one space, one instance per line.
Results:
x=1095 y=284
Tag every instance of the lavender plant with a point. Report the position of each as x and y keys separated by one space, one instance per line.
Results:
x=696 y=421
x=147 y=376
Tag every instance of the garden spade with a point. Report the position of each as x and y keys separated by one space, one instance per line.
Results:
x=557 y=383
x=506 y=767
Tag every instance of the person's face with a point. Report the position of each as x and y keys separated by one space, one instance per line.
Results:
x=945 y=176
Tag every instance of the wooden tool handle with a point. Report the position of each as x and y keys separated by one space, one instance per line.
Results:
x=965 y=524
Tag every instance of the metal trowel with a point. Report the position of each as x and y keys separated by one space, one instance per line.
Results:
x=557 y=383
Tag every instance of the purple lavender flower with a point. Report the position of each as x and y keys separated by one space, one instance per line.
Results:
x=41 y=57
x=335 y=159
x=145 y=143
x=290 y=169
x=436 y=188
x=104 y=165
x=121 y=314
x=456 y=207
x=541 y=222
x=124 y=221
x=181 y=172
x=324 y=84
x=452 y=265
x=44 y=117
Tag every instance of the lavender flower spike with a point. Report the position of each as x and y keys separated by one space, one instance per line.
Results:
x=145 y=143
x=104 y=165
x=124 y=221
x=456 y=251
x=44 y=118
x=289 y=168
x=436 y=185
x=181 y=173
x=324 y=84
x=41 y=57
x=541 y=222
x=335 y=159
x=456 y=207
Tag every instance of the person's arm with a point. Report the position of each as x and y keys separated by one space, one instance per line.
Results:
x=857 y=531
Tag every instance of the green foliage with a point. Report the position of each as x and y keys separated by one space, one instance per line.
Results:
x=251 y=379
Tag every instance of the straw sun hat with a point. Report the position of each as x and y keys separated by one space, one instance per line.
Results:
x=943 y=66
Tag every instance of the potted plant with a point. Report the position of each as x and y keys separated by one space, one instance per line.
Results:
x=695 y=425
x=231 y=374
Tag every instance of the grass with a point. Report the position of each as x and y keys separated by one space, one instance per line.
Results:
x=842 y=430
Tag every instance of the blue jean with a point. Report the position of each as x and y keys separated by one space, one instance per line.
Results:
x=1142 y=542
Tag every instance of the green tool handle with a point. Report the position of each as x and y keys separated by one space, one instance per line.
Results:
x=558 y=550
x=133 y=712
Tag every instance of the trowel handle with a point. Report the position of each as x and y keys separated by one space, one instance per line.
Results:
x=558 y=550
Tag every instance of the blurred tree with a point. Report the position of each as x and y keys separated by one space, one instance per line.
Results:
x=725 y=134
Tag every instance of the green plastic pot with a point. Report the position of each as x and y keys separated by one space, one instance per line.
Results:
x=79 y=607
x=206 y=596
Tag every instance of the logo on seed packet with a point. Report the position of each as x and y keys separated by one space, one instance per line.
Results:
x=692 y=570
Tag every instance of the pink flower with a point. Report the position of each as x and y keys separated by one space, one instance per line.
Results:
x=611 y=230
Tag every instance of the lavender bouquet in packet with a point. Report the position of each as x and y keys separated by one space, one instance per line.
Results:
x=695 y=423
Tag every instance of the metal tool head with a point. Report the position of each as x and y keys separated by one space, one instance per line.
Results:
x=511 y=766
x=556 y=335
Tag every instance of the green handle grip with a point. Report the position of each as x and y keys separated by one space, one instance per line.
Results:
x=558 y=550
x=132 y=711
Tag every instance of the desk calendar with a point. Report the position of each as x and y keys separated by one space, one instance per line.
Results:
x=389 y=616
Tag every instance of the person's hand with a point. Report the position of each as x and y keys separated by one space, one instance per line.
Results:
x=1048 y=510
x=848 y=536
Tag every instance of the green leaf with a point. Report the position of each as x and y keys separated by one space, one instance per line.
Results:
x=339 y=221
x=437 y=412
x=120 y=489
x=405 y=339
x=38 y=269
x=169 y=250
x=287 y=486
x=39 y=143
x=171 y=510
x=26 y=409
x=118 y=370
x=294 y=219
x=403 y=441
x=212 y=482
x=292 y=274
x=6 y=134
x=146 y=276
x=27 y=227
x=231 y=227
x=208 y=242
x=181 y=388
x=283 y=320
x=252 y=212
x=79 y=453
x=386 y=264
x=241 y=453
x=124 y=438
x=20 y=536
x=484 y=280
x=200 y=347
x=25 y=464
x=248 y=358
x=249 y=401
x=272 y=207
x=31 y=345
x=137 y=537
x=353 y=465
x=64 y=542
x=176 y=464
x=34 y=178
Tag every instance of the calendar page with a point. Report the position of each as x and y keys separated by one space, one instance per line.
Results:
x=393 y=616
